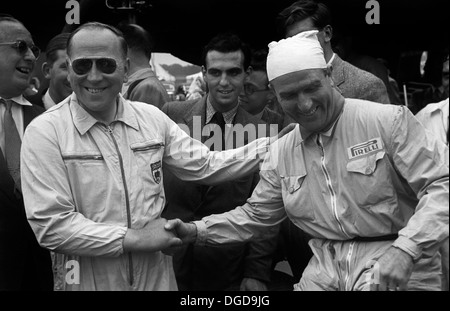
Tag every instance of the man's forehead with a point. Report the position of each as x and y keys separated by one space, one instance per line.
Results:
x=92 y=42
x=10 y=30
x=215 y=57
x=258 y=77
x=301 y=78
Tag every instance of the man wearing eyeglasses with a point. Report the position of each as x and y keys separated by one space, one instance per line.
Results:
x=24 y=265
x=92 y=172
x=256 y=97
x=247 y=266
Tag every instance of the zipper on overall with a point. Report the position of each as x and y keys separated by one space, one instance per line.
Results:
x=329 y=184
x=127 y=200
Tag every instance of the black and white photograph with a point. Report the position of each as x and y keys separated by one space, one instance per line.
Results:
x=228 y=153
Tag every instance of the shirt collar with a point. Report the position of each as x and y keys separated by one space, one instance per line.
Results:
x=48 y=100
x=259 y=115
x=328 y=133
x=84 y=121
x=228 y=116
x=19 y=100
x=331 y=59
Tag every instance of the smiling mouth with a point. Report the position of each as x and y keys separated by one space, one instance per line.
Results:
x=94 y=91
x=24 y=70
x=310 y=112
x=225 y=92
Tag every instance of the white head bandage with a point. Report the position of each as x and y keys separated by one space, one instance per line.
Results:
x=302 y=51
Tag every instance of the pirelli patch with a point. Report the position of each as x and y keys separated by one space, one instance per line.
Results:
x=365 y=148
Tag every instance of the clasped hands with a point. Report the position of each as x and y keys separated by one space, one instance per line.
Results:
x=159 y=235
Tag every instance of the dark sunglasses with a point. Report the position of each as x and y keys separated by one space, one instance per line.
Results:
x=22 y=47
x=82 y=66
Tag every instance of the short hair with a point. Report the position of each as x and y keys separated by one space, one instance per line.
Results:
x=227 y=43
x=97 y=25
x=58 y=42
x=259 y=60
x=298 y=11
x=137 y=38
x=9 y=18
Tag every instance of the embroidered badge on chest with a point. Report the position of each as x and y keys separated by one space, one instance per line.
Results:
x=156 y=171
x=365 y=148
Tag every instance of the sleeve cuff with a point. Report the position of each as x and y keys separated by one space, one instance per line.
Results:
x=201 y=232
x=408 y=246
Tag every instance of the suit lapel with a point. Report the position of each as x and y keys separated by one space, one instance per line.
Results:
x=198 y=110
x=29 y=113
x=338 y=70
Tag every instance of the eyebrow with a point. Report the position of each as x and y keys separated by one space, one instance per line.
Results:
x=234 y=69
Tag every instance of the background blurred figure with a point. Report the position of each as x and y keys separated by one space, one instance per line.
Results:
x=55 y=70
x=24 y=265
x=435 y=118
x=256 y=96
x=142 y=84
x=434 y=94
x=345 y=45
x=353 y=82
x=395 y=90
x=197 y=89
x=179 y=94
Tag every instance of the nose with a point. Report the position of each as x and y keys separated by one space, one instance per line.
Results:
x=29 y=56
x=94 y=74
x=224 y=79
x=305 y=103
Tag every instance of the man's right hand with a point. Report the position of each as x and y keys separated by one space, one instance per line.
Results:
x=187 y=232
x=153 y=237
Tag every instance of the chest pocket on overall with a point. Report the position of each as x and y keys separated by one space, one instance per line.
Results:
x=293 y=196
x=370 y=182
x=84 y=169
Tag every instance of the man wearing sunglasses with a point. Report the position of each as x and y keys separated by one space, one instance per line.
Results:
x=24 y=265
x=92 y=172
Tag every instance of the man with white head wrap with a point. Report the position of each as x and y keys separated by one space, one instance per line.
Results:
x=365 y=181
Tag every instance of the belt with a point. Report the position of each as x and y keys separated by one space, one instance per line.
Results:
x=389 y=237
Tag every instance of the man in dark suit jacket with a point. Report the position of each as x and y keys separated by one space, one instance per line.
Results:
x=230 y=267
x=24 y=265
x=353 y=82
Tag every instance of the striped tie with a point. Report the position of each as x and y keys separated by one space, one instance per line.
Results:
x=12 y=144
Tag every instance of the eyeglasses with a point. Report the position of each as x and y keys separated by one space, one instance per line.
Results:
x=22 y=47
x=82 y=66
x=250 y=89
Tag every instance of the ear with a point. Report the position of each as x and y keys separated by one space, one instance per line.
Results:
x=46 y=70
x=249 y=70
x=274 y=92
x=271 y=97
x=126 y=69
x=327 y=33
x=204 y=73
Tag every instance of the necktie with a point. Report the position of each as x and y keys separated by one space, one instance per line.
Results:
x=219 y=120
x=12 y=144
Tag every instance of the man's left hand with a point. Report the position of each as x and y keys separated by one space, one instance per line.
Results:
x=395 y=268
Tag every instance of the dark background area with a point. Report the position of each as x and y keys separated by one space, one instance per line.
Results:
x=183 y=27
